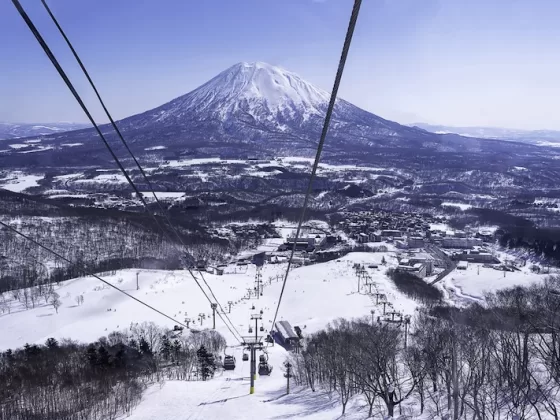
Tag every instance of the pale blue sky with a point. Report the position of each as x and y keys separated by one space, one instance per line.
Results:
x=455 y=62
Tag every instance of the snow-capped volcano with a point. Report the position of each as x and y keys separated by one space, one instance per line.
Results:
x=258 y=90
x=260 y=109
x=265 y=106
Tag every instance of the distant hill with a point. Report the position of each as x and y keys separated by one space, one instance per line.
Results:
x=538 y=137
x=16 y=130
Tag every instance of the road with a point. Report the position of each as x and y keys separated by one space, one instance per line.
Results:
x=440 y=255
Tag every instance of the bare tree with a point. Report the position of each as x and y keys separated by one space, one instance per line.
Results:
x=55 y=301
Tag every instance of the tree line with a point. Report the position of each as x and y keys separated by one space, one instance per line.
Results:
x=488 y=362
x=65 y=380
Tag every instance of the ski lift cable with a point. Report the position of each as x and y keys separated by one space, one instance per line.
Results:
x=123 y=141
x=70 y=86
x=58 y=255
x=114 y=125
x=340 y=70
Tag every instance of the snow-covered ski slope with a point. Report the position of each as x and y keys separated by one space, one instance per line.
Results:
x=314 y=296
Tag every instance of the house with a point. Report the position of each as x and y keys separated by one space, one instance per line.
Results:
x=363 y=238
x=216 y=270
x=462 y=265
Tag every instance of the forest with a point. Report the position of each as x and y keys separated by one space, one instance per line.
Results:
x=443 y=366
x=65 y=380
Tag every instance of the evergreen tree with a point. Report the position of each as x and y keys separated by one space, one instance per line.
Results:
x=145 y=347
x=176 y=348
x=383 y=261
x=91 y=355
x=51 y=343
x=119 y=359
x=206 y=363
x=133 y=344
x=165 y=347
x=102 y=357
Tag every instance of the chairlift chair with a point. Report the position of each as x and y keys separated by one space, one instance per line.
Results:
x=261 y=328
x=245 y=357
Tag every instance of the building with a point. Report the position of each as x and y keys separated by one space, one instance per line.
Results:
x=451 y=242
x=476 y=257
x=363 y=237
x=416 y=242
x=417 y=269
x=285 y=335
x=391 y=233
x=462 y=265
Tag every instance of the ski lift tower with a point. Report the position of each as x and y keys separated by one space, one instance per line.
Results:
x=254 y=343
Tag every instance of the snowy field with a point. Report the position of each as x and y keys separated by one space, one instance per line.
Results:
x=470 y=284
x=314 y=296
x=19 y=181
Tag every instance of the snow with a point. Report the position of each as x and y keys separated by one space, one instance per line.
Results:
x=19 y=181
x=314 y=295
x=18 y=146
x=68 y=176
x=462 y=206
x=117 y=178
x=255 y=85
x=72 y=144
x=306 y=292
x=38 y=149
x=156 y=148
x=162 y=195
x=477 y=279
x=33 y=141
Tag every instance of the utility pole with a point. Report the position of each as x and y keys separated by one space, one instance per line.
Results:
x=201 y=317
x=230 y=303
x=187 y=321
x=214 y=306
x=288 y=375
x=137 y=285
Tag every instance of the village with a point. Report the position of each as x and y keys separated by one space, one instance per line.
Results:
x=424 y=245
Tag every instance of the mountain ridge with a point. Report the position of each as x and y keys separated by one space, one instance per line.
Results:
x=10 y=130
x=538 y=137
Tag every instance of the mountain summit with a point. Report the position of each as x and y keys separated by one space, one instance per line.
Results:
x=258 y=90
x=258 y=87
